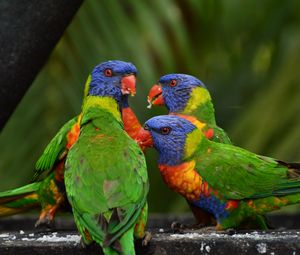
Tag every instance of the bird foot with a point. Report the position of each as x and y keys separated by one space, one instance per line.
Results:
x=177 y=227
x=207 y=229
x=147 y=238
x=46 y=221
x=82 y=243
x=230 y=231
x=199 y=226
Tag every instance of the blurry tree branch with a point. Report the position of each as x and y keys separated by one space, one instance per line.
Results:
x=29 y=31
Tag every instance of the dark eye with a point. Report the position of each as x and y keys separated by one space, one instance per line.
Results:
x=165 y=130
x=173 y=83
x=108 y=72
x=146 y=127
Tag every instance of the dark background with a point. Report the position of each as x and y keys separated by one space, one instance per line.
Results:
x=246 y=52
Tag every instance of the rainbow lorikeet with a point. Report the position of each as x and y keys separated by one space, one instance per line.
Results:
x=49 y=192
x=106 y=176
x=233 y=184
x=186 y=96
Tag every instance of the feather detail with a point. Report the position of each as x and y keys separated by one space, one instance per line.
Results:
x=183 y=179
x=199 y=96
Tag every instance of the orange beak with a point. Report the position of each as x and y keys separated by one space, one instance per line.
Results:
x=155 y=96
x=144 y=139
x=128 y=85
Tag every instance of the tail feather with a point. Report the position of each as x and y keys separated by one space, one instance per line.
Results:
x=29 y=188
x=287 y=191
x=18 y=200
x=268 y=204
x=293 y=169
x=290 y=165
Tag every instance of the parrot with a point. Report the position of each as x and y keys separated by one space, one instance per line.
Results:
x=49 y=192
x=186 y=96
x=232 y=183
x=105 y=170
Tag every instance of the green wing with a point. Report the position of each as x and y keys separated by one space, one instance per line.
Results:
x=54 y=150
x=237 y=173
x=106 y=178
x=220 y=135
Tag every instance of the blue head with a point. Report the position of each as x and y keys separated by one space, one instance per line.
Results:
x=174 y=90
x=113 y=79
x=168 y=133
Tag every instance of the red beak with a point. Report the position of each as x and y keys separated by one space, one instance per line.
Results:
x=155 y=95
x=144 y=139
x=128 y=85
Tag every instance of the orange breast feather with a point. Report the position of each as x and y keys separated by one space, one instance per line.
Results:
x=183 y=179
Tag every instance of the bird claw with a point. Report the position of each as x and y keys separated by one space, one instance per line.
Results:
x=198 y=226
x=147 y=238
x=44 y=222
x=230 y=231
x=82 y=243
x=177 y=227
x=207 y=229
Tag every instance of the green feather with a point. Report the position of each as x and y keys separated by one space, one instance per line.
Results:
x=240 y=174
x=32 y=187
x=54 y=149
x=260 y=184
x=105 y=177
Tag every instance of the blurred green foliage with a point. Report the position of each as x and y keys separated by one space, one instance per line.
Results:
x=246 y=52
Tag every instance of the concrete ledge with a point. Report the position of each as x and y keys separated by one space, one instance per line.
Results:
x=68 y=242
x=275 y=242
x=65 y=240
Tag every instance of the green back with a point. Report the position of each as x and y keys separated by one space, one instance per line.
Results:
x=106 y=177
x=237 y=173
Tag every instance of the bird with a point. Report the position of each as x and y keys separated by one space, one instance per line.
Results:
x=47 y=191
x=187 y=96
x=105 y=171
x=232 y=183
